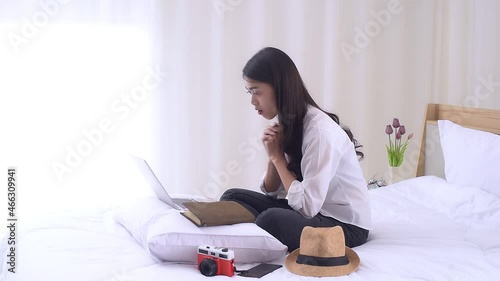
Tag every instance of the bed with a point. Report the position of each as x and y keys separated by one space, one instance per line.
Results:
x=425 y=228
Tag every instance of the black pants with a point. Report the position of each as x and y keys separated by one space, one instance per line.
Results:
x=281 y=221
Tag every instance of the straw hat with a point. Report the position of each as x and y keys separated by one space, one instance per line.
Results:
x=322 y=253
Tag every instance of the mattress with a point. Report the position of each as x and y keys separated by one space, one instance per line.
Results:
x=423 y=229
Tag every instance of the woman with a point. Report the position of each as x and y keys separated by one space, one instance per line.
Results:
x=313 y=176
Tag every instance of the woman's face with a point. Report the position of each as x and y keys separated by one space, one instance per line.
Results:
x=262 y=98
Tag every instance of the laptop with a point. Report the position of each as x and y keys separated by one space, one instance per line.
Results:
x=156 y=185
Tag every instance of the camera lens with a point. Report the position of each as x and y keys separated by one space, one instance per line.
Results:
x=208 y=267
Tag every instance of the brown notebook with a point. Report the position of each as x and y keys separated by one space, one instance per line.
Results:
x=217 y=213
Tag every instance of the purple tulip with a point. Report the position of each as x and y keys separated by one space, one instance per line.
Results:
x=402 y=130
x=398 y=135
x=410 y=136
x=395 y=123
x=388 y=130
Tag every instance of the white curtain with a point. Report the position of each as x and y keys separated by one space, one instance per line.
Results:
x=367 y=61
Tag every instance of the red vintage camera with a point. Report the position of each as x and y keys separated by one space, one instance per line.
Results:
x=215 y=261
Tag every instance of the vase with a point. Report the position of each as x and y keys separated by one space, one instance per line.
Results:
x=395 y=174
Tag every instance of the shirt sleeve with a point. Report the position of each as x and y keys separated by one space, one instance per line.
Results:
x=320 y=160
x=280 y=193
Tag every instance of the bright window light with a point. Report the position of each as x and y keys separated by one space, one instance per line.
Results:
x=75 y=100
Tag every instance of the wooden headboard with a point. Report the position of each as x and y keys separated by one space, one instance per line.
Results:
x=430 y=159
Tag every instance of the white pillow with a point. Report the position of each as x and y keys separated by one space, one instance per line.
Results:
x=168 y=236
x=471 y=157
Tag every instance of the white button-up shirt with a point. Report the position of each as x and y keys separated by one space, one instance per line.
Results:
x=333 y=182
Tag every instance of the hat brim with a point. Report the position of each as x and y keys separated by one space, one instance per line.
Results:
x=322 y=271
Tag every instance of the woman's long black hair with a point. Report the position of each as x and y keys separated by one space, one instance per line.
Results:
x=273 y=66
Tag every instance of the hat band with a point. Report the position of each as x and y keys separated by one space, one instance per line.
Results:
x=318 y=261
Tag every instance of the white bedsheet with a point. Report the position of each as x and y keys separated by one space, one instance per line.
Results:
x=424 y=229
